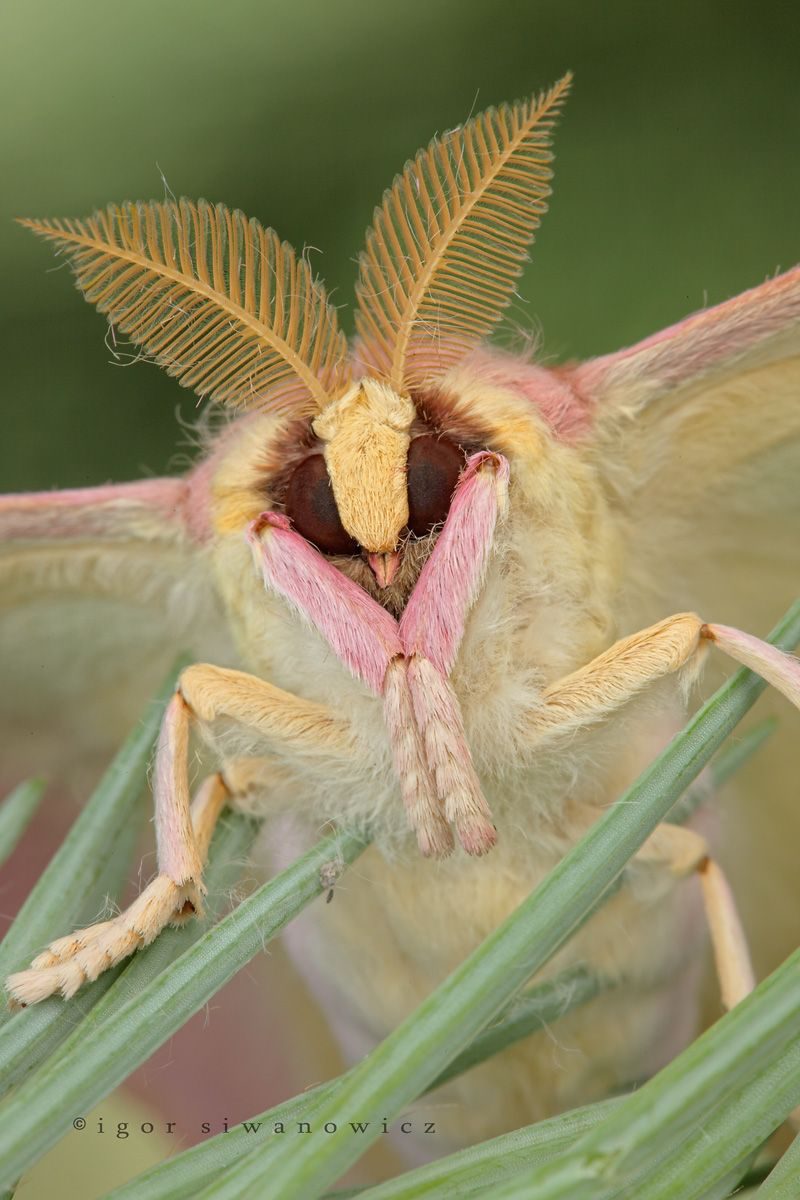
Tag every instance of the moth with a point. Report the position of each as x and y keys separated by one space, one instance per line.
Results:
x=435 y=590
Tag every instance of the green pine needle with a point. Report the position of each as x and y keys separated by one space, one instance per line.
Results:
x=700 y=1120
x=16 y=812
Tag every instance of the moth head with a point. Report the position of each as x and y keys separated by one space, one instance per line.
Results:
x=366 y=435
x=373 y=488
x=233 y=312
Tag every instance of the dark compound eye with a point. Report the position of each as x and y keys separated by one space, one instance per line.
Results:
x=312 y=508
x=434 y=465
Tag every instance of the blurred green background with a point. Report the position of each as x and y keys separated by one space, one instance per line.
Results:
x=677 y=184
x=677 y=177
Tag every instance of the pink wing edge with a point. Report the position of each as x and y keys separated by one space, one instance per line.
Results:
x=708 y=342
x=151 y=509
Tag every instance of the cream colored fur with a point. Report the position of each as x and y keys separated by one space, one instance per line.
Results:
x=399 y=923
x=366 y=436
x=557 y=724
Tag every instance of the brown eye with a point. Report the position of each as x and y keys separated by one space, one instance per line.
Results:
x=312 y=508
x=434 y=465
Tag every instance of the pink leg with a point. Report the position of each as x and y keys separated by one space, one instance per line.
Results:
x=780 y=669
x=408 y=664
x=433 y=622
x=438 y=717
x=431 y=630
x=417 y=785
x=361 y=634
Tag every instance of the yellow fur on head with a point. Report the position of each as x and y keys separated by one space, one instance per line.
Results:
x=366 y=436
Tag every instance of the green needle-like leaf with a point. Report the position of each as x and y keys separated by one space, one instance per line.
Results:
x=783 y=1183
x=54 y=905
x=103 y=1052
x=724 y=765
x=742 y=1078
x=33 y=1034
x=740 y=750
x=716 y=1155
x=404 y=1064
x=36 y=1031
x=180 y=1178
x=477 y=1170
x=15 y=813
x=533 y=1010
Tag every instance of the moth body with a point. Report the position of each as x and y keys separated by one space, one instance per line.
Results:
x=552 y=598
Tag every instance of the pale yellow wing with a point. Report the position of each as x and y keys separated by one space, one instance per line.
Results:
x=100 y=589
x=697 y=433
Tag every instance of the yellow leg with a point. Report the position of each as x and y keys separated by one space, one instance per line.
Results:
x=294 y=729
x=82 y=956
x=682 y=852
x=614 y=677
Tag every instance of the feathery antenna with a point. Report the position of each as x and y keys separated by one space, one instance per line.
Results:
x=448 y=242
x=216 y=299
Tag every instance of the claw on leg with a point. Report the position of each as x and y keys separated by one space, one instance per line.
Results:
x=82 y=956
x=71 y=961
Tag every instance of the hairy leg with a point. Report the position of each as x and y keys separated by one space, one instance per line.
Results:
x=82 y=956
x=619 y=673
x=615 y=676
x=595 y=691
x=682 y=852
x=292 y=728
